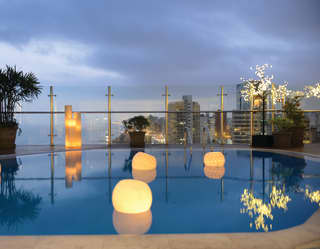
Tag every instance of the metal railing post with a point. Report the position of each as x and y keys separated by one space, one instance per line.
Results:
x=221 y=114
x=109 y=115
x=251 y=119
x=166 y=114
x=51 y=95
x=272 y=101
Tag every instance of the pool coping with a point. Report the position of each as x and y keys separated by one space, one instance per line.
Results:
x=306 y=235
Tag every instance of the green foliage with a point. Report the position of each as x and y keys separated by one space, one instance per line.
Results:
x=293 y=115
x=15 y=87
x=282 y=123
x=137 y=123
x=293 y=111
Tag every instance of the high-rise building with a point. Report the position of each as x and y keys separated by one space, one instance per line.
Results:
x=207 y=128
x=241 y=120
x=186 y=121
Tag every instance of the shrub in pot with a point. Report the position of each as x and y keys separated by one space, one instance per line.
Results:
x=294 y=113
x=282 y=135
x=136 y=127
x=15 y=87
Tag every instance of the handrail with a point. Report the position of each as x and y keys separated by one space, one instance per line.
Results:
x=103 y=112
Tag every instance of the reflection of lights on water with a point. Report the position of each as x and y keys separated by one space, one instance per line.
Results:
x=146 y=176
x=214 y=172
x=132 y=223
x=313 y=196
x=255 y=207
x=73 y=167
x=131 y=196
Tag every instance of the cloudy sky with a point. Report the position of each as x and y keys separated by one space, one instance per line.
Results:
x=137 y=47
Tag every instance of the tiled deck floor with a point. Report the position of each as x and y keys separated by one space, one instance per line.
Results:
x=302 y=237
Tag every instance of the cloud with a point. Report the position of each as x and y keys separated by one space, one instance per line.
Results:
x=197 y=45
x=57 y=62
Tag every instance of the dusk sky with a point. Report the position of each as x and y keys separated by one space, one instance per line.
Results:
x=137 y=47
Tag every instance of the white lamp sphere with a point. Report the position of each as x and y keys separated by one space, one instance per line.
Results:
x=131 y=196
x=214 y=159
x=144 y=161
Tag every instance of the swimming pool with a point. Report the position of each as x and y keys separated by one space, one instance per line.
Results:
x=70 y=193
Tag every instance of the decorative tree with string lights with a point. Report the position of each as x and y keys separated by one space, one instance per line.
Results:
x=259 y=89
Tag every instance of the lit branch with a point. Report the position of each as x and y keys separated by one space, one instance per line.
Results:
x=260 y=87
x=281 y=92
x=312 y=91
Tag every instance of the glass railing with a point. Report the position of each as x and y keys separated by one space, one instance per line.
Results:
x=203 y=127
x=200 y=122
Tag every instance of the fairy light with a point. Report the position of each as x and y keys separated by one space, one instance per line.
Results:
x=312 y=91
x=280 y=92
x=258 y=87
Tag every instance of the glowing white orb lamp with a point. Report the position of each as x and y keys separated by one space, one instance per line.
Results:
x=144 y=161
x=131 y=196
x=214 y=159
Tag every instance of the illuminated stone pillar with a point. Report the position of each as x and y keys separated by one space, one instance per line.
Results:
x=77 y=141
x=72 y=128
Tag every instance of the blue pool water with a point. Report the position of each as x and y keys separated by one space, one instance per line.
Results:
x=70 y=193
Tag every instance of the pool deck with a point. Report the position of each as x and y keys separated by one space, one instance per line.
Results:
x=304 y=236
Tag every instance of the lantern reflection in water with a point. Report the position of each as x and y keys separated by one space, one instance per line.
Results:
x=72 y=128
x=139 y=223
x=131 y=196
x=146 y=176
x=214 y=172
x=73 y=167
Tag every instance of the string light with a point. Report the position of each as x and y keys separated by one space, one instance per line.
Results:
x=312 y=91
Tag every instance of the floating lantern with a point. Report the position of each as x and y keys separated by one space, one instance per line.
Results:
x=72 y=128
x=214 y=159
x=144 y=161
x=214 y=172
x=132 y=223
x=73 y=167
x=146 y=176
x=131 y=196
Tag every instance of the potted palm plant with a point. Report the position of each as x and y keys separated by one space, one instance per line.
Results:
x=136 y=127
x=15 y=87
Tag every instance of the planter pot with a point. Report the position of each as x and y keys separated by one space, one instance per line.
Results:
x=262 y=141
x=8 y=137
x=297 y=136
x=282 y=140
x=137 y=139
